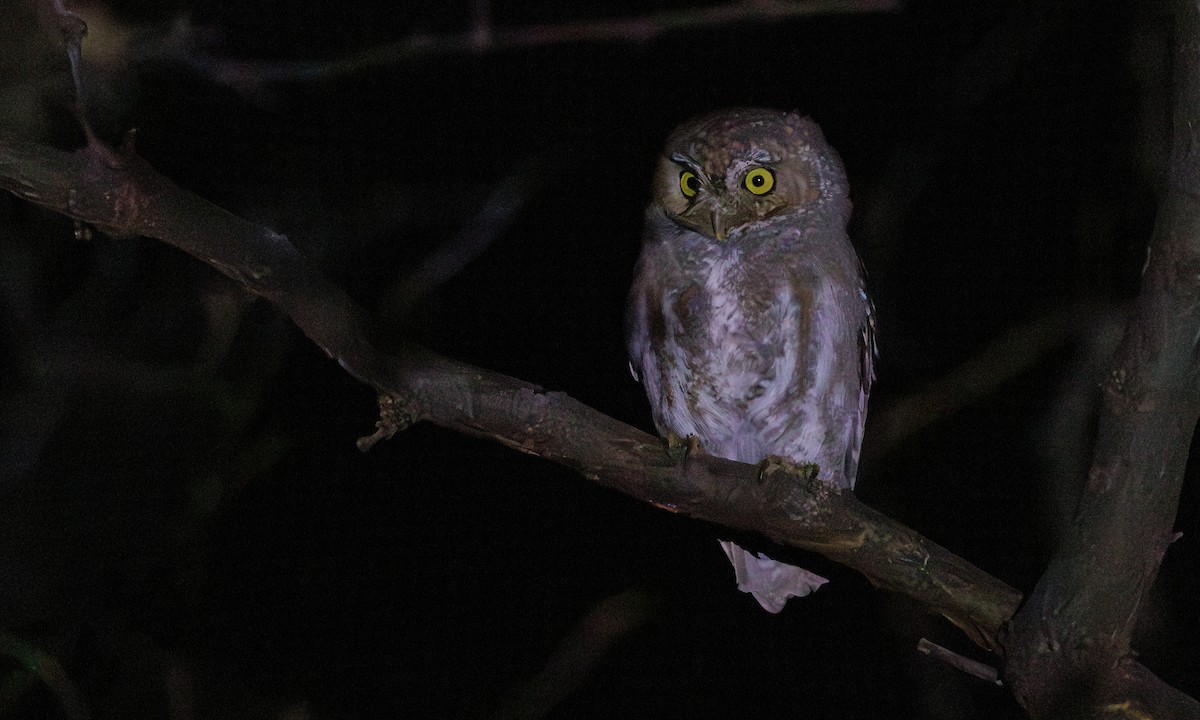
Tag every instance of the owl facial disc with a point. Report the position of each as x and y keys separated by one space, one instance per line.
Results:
x=724 y=173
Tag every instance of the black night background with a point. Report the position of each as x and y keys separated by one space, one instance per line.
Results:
x=189 y=531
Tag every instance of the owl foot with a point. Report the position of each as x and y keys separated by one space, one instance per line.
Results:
x=680 y=449
x=772 y=464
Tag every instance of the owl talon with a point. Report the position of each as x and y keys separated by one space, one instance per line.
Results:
x=773 y=464
x=680 y=449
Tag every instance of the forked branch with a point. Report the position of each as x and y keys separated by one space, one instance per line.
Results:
x=118 y=192
x=1070 y=645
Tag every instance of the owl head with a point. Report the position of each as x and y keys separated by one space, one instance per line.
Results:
x=722 y=172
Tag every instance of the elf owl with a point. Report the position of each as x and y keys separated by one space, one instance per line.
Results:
x=748 y=322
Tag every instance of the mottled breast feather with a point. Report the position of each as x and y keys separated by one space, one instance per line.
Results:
x=748 y=321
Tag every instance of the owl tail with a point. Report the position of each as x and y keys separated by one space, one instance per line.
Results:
x=771 y=582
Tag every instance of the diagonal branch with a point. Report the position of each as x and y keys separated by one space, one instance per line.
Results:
x=502 y=205
x=1002 y=359
x=1070 y=643
x=132 y=198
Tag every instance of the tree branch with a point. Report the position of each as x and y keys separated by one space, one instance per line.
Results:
x=1002 y=359
x=132 y=198
x=484 y=37
x=1148 y=420
x=1070 y=644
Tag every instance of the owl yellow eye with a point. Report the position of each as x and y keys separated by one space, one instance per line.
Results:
x=689 y=184
x=760 y=181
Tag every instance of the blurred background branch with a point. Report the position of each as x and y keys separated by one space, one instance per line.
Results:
x=186 y=525
x=485 y=37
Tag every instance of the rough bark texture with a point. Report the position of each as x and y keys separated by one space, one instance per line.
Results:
x=1069 y=647
x=129 y=197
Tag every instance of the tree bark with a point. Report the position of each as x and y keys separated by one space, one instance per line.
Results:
x=1069 y=647
x=127 y=196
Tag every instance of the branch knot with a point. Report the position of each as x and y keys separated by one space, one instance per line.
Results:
x=395 y=414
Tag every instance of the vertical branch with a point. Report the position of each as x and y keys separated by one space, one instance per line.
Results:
x=1070 y=644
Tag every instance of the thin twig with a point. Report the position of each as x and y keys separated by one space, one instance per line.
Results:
x=50 y=671
x=960 y=662
x=483 y=37
x=1005 y=357
x=130 y=197
x=493 y=218
x=578 y=655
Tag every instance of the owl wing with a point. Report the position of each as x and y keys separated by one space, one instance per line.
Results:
x=868 y=351
x=637 y=327
x=637 y=336
x=644 y=322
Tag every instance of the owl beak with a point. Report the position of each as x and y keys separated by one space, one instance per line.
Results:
x=724 y=217
x=728 y=216
x=720 y=231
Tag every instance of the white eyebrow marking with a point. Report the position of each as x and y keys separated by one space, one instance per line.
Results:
x=681 y=159
x=760 y=155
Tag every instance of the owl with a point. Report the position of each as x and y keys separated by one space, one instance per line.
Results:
x=748 y=322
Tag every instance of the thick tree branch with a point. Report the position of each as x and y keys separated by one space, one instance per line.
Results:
x=1070 y=644
x=130 y=197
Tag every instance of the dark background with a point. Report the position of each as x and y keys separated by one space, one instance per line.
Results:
x=186 y=525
